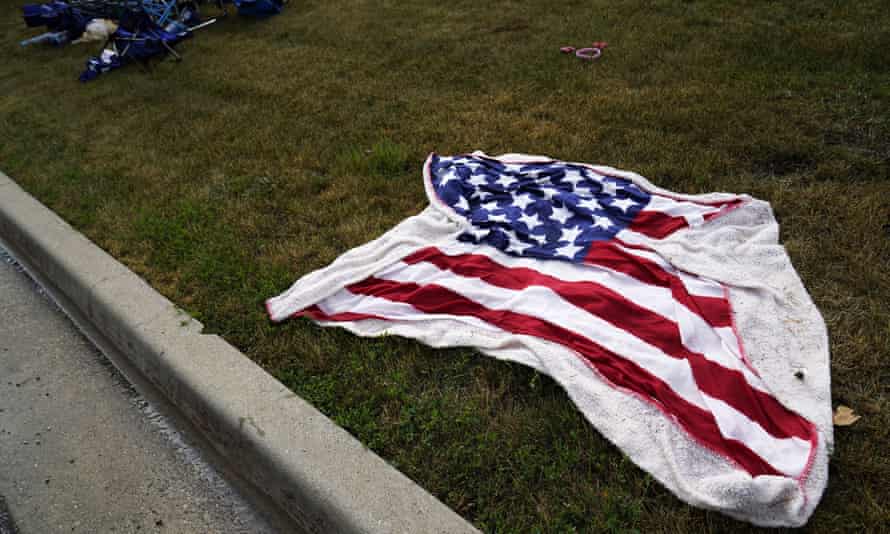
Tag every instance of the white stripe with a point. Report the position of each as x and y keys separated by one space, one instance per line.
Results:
x=701 y=287
x=730 y=340
x=693 y=213
x=698 y=336
x=344 y=301
x=695 y=333
x=544 y=304
x=634 y=238
x=649 y=255
x=653 y=298
x=788 y=455
x=694 y=284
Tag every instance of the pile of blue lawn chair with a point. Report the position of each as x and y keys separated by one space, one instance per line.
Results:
x=145 y=29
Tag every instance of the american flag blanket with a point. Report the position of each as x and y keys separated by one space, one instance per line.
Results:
x=676 y=323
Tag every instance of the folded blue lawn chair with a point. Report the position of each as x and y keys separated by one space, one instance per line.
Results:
x=143 y=41
x=57 y=16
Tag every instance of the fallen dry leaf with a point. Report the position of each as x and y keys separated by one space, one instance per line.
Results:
x=844 y=416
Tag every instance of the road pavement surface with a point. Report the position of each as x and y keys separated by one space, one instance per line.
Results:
x=81 y=450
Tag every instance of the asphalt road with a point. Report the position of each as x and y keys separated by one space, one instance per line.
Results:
x=80 y=449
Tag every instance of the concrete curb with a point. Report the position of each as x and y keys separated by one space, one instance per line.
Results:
x=319 y=475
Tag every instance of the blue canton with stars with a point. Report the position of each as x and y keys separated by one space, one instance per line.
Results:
x=551 y=210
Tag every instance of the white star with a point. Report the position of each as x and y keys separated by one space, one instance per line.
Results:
x=590 y=204
x=518 y=247
x=551 y=238
x=610 y=188
x=549 y=193
x=498 y=218
x=478 y=233
x=488 y=198
x=478 y=179
x=505 y=181
x=530 y=221
x=561 y=214
x=532 y=173
x=568 y=250
x=602 y=222
x=587 y=188
x=623 y=204
x=446 y=177
x=521 y=201
x=535 y=239
x=571 y=234
x=462 y=203
x=515 y=231
x=573 y=177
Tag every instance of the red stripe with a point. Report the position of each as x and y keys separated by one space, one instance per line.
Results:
x=656 y=224
x=712 y=378
x=314 y=312
x=623 y=373
x=725 y=208
x=716 y=311
x=636 y=246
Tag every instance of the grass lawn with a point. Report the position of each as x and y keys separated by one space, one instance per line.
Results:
x=279 y=144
